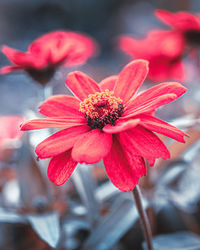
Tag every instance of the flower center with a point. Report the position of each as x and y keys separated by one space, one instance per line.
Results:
x=101 y=108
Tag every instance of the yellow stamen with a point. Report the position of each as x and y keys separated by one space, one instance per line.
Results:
x=100 y=104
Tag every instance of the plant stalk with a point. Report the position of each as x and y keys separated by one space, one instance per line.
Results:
x=143 y=217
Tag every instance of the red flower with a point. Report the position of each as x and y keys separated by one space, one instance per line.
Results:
x=108 y=121
x=163 y=50
x=186 y=23
x=48 y=52
x=9 y=129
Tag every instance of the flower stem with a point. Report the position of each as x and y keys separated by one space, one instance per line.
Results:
x=143 y=217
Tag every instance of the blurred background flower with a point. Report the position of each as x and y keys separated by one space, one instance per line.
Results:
x=48 y=52
x=163 y=50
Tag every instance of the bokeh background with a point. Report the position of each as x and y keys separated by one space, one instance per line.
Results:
x=33 y=213
x=22 y=21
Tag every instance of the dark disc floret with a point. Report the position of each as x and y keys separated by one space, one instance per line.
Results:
x=102 y=108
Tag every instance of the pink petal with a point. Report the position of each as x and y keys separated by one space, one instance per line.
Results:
x=81 y=85
x=130 y=79
x=148 y=106
x=132 y=47
x=53 y=122
x=82 y=48
x=108 y=83
x=150 y=95
x=23 y=59
x=123 y=169
x=160 y=89
x=154 y=124
x=120 y=126
x=167 y=43
x=143 y=142
x=60 y=141
x=61 y=168
x=177 y=71
x=166 y=16
x=67 y=47
x=91 y=147
x=181 y=20
x=159 y=69
x=60 y=105
x=9 y=69
x=164 y=69
x=13 y=54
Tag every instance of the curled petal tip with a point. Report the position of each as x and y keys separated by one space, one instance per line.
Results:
x=144 y=63
x=71 y=75
x=139 y=61
x=160 y=12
